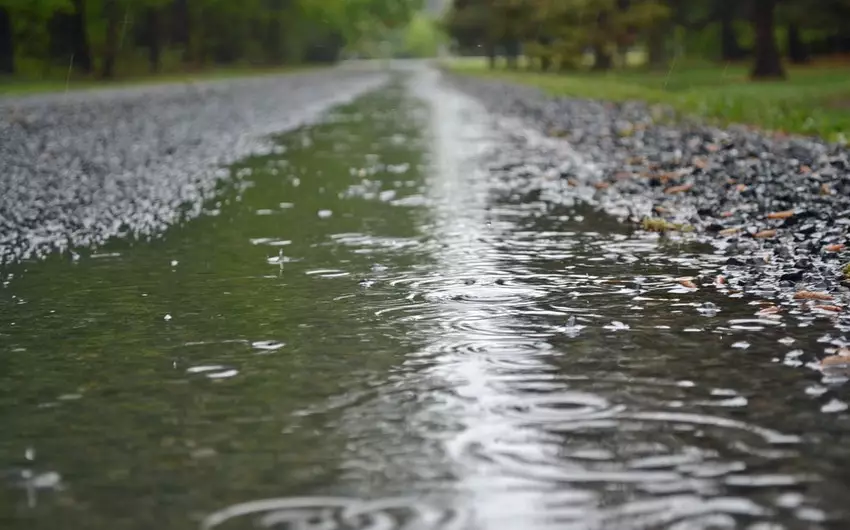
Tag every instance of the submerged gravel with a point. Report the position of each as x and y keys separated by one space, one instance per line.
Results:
x=776 y=209
x=79 y=168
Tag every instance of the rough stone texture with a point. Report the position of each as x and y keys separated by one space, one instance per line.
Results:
x=723 y=185
x=79 y=168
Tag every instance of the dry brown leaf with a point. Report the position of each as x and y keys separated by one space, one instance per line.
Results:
x=781 y=215
x=678 y=189
x=661 y=209
x=831 y=308
x=699 y=163
x=770 y=310
x=601 y=185
x=805 y=170
x=835 y=360
x=812 y=295
x=838 y=247
x=572 y=182
x=688 y=283
x=765 y=234
x=729 y=231
x=825 y=189
x=841 y=358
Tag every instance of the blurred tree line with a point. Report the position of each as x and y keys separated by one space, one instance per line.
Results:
x=559 y=33
x=107 y=37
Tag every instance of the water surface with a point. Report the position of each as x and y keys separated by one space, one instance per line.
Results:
x=398 y=321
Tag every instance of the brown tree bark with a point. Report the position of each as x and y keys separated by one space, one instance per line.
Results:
x=602 y=59
x=153 y=34
x=768 y=62
x=797 y=50
x=110 y=45
x=7 y=43
x=69 y=37
x=657 y=45
x=730 y=48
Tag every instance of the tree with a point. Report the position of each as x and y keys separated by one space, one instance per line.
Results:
x=768 y=62
x=7 y=43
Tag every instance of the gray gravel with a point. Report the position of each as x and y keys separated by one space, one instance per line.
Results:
x=722 y=185
x=79 y=168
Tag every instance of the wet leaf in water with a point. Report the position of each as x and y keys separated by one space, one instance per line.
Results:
x=685 y=282
x=831 y=308
x=678 y=189
x=781 y=215
x=811 y=295
x=729 y=231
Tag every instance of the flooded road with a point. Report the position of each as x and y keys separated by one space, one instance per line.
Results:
x=394 y=321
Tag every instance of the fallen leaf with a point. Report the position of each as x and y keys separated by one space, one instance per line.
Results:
x=712 y=148
x=678 y=189
x=601 y=185
x=832 y=308
x=825 y=189
x=841 y=358
x=728 y=213
x=805 y=170
x=741 y=188
x=730 y=231
x=771 y=310
x=661 y=209
x=781 y=215
x=700 y=163
x=765 y=234
x=811 y=295
x=835 y=360
x=838 y=247
x=572 y=182
x=688 y=283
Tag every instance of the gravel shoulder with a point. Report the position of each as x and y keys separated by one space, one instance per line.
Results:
x=775 y=210
x=79 y=168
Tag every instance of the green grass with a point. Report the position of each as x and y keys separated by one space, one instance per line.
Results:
x=814 y=100
x=11 y=86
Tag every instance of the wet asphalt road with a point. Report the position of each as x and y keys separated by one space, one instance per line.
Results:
x=79 y=168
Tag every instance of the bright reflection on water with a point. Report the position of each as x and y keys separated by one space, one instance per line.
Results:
x=401 y=322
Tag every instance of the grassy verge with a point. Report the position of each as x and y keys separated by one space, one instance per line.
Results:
x=12 y=86
x=814 y=100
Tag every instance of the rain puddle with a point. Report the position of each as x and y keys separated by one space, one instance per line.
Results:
x=399 y=323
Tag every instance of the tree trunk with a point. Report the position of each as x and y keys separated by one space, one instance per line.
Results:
x=797 y=50
x=602 y=60
x=274 y=42
x=658 y=48
x=110 y=44
x=730 y=48
x=7 y=43
x=768 y=63
x=153 y=34
x=183 y=28
x=78 y=38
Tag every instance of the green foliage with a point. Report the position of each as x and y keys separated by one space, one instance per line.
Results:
x=813 y=101
x=422 y=37
x=176 y=35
